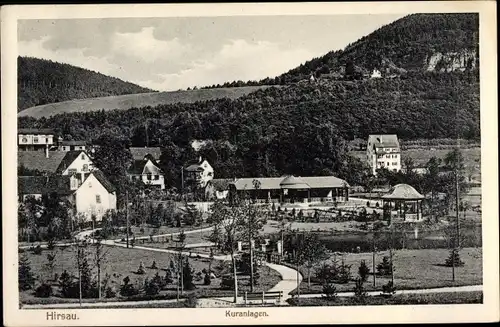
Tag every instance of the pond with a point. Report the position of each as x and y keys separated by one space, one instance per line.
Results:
x=349 y=241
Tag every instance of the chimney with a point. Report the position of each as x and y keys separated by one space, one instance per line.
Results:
x=46 y=151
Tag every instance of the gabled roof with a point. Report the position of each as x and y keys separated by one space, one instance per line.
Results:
x=73 y=143
x=36 y=131
x=140 y=153
x=194 y=167
x=99 y=175
x=384 y=140
x=36 y=160
x=68 y=159
x=44 y=184
x=403 y=192
x=137 y=166
x=31 y=184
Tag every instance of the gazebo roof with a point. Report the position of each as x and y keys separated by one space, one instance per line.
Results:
x=403 y=192
x=293 y=182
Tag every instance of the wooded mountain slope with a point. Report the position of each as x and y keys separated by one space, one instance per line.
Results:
x=42 y=81
x=418 y=42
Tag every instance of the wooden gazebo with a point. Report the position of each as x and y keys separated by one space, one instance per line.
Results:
x=406 y=199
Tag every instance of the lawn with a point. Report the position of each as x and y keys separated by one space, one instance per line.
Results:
x=408 y=299
x=413 y=269
x=122 y=262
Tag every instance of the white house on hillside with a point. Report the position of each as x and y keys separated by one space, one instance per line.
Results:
x=200 y=172
x=91 y=194
x=147 y=171
x=383 y=151
x=376 y=74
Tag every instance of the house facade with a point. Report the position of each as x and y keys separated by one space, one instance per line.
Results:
x=90 y=194
x=75 y=162
x=198 y=173
x=383 y=151
x=147 y=171
x=32 y=139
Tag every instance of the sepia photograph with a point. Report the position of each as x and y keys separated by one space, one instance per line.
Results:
x=249 y=163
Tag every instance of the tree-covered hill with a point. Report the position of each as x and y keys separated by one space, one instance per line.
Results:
x=298 y=129
x=42 y=81
x=418 y=42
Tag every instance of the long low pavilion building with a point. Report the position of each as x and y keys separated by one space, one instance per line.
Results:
x=286 y=189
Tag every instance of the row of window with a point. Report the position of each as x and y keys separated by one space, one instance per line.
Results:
x=35 y=140
x=394 y=163
x=391 y=156
x=150 y=177
x=85 y=168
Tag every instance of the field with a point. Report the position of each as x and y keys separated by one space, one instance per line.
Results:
x=412 y=269
x=121 y=262
x=124 y=102
x=433 y=298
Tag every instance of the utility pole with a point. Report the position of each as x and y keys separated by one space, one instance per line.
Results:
x=126 y=208
x=78 y=259
x=182 y=181
x=373 y=249
x=392 y=245
x=251 y=249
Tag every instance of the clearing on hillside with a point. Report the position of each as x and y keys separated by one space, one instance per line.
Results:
x=124 y=102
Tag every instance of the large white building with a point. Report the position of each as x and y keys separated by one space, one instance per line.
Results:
x=33 y=139
x=383 y=151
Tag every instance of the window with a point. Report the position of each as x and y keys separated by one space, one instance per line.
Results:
x=83 y=156
x=149 y=177
x=98 y=199
x=72 y=171
x=157 y=177
x=35 y=140
x=394 y=163
x=210 y=174
x=24 y=140
x=85 y=167
x=46 y=140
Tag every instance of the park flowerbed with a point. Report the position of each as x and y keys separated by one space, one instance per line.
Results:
x=404 y=299
x=121 y=264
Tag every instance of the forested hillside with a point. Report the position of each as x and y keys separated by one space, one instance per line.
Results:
x=297 y=129
x=42 y=81
x=418 y=42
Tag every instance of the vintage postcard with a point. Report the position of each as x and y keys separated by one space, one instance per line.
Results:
x=235 y=164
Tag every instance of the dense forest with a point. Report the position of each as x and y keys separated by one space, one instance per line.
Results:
x=42 y=81
x=299 y=129
x=404 y=45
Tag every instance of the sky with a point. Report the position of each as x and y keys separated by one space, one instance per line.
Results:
x=173 y=53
